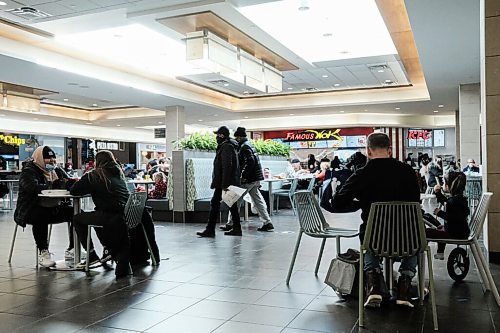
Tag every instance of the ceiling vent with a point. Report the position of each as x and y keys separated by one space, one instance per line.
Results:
x=28 y=13
x=220 y=82
x=310 y=89
x=379 y=67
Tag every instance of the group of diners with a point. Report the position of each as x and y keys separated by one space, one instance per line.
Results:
x=105 y=183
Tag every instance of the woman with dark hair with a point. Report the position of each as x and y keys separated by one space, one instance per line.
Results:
x=106 y=184
x=455 y=216
x=311 y=163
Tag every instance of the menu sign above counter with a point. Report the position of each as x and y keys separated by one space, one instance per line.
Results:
x=314 y=135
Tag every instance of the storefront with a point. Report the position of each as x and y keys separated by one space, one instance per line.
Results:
x=341 y=142
x=147 y=152
x=16 y=148
x=433 y=142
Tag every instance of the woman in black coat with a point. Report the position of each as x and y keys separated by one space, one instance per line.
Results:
x=41 y=173
x=106 y=184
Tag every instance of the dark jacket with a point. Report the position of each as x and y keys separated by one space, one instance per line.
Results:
x=455 y=216
x=471 y=169
x=31 y=183
x=251 y=170
x=110 y=201
x=381 y=180
x=226 y=166
x=434 y=173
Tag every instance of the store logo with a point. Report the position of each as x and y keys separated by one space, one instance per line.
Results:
x=314 y=135
x=12 y=140
x=419 y=134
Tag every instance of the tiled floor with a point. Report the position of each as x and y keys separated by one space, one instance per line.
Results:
x=221 y=285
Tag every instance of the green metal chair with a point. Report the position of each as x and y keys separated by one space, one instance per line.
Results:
x=311 y=184
x=312 y=223
x=473 y=191
x=287 y=193
x=476 y=228
x=395 y=230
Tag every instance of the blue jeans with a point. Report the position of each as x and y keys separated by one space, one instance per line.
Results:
x=408 y=264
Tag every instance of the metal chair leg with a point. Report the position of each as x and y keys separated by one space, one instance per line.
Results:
x=49 y=234
x=149 y=246
x=361 y=289
x=480 y=268
x=89 y=230
x=432 y=291
x=12 y=244
x=493 y=287
x=294 y=256
x=421 y=277
x=319 y=256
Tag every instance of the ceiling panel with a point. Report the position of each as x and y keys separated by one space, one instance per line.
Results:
x=78 y=5
x=346 y=76
x=364 y=75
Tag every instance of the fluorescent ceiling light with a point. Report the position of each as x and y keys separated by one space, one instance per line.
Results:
x=138 y=47
x=356 y=26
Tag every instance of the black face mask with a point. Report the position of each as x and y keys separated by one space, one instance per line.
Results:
x=220 y=139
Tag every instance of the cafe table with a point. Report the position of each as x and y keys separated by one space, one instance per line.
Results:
x=62 y=265
x=144 y=182
x=10 y=185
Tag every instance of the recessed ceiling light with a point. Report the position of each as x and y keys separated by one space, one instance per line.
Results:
x=388 y=81
x=118 y=125
x=344 y=52
x=94 y=105
x=246 y=117
x=88 y=123
x=440 y=106
x=160 y=122
x=327 y=34
x=65 y=99
x=342 y=111
x=246 y=92
x=292 y=114
x=366 y=109
x=200 y=119
x=324 y=75
x=336 y=85
x=435 y=111
x=290 y=88
x=380 y=71
x=3 y=3
x=35 y=118
x=397 y=108
x=226 y=84
x=303 y=8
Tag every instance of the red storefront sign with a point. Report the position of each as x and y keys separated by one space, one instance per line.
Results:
x=419 y=134
x=317 y=134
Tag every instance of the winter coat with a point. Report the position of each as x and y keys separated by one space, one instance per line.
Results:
x=455 y=216
x=380 y=180
x=251 y=169
x=31 y=183
x=226 y=165
x=109 y=201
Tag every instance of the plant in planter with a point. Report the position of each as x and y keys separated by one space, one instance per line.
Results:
x=207 y=142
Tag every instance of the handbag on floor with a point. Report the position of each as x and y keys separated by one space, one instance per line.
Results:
x=343 y=273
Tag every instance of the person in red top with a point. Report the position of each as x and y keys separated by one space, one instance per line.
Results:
x=160 y=189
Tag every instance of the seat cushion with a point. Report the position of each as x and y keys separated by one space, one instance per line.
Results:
x=158 y=204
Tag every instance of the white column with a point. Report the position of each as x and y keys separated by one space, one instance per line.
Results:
x=174 y=125
x=469 y=115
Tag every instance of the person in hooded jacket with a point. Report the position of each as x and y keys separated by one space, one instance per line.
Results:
x=226 y=172
x=106 y=184
x=37 y=175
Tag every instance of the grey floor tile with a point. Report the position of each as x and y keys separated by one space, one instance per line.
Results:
x=232 y=327
x=134 y=319
x=267 y=315
x=166 y=303
x=193 y=290
x=214 y=309
x=188 y=324
x=324 y=321
x=52 y=326
x=237 y=295
x=286 y=300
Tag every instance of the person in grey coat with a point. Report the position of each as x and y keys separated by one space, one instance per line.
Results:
x=226 y=172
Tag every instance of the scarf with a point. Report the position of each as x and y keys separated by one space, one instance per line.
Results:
x=40 y=163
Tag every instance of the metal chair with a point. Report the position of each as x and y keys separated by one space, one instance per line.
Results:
x=473 y=191
x=312 y=223
x=133 y=217
x=312 y=182
x=395 y=230
x=476 y=228
x=36 y=249
x=287 y=193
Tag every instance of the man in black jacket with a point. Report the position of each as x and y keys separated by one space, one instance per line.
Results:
x=226 y=172
x=251 y=175
x=382 y=179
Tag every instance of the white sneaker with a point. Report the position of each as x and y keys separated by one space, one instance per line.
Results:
x=439 y=256
x=69 y=255
x=45 y=259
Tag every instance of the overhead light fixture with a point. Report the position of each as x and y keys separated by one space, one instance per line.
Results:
x=342 y=111
x=440 y=106
x=290 y=88
x=292 y=114
x=324 y=75
x=327 y=34
x=206 y=50
x=435 y=111
x=246 y=117
x=94 y=105
x=380 y=71
x=200 y=119
x=88 y=123
x=336 y=85
x=35 y=118
x=397 y=108
x=118 y=125
x=3 y=3
x=366 y=109
x=160 y=122
x=65 y=99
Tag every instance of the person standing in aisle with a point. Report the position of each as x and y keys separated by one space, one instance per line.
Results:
x=251 y=175
x=226 y=172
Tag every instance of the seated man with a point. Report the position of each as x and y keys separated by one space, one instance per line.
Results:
x=471 y=166
x=382 y=179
